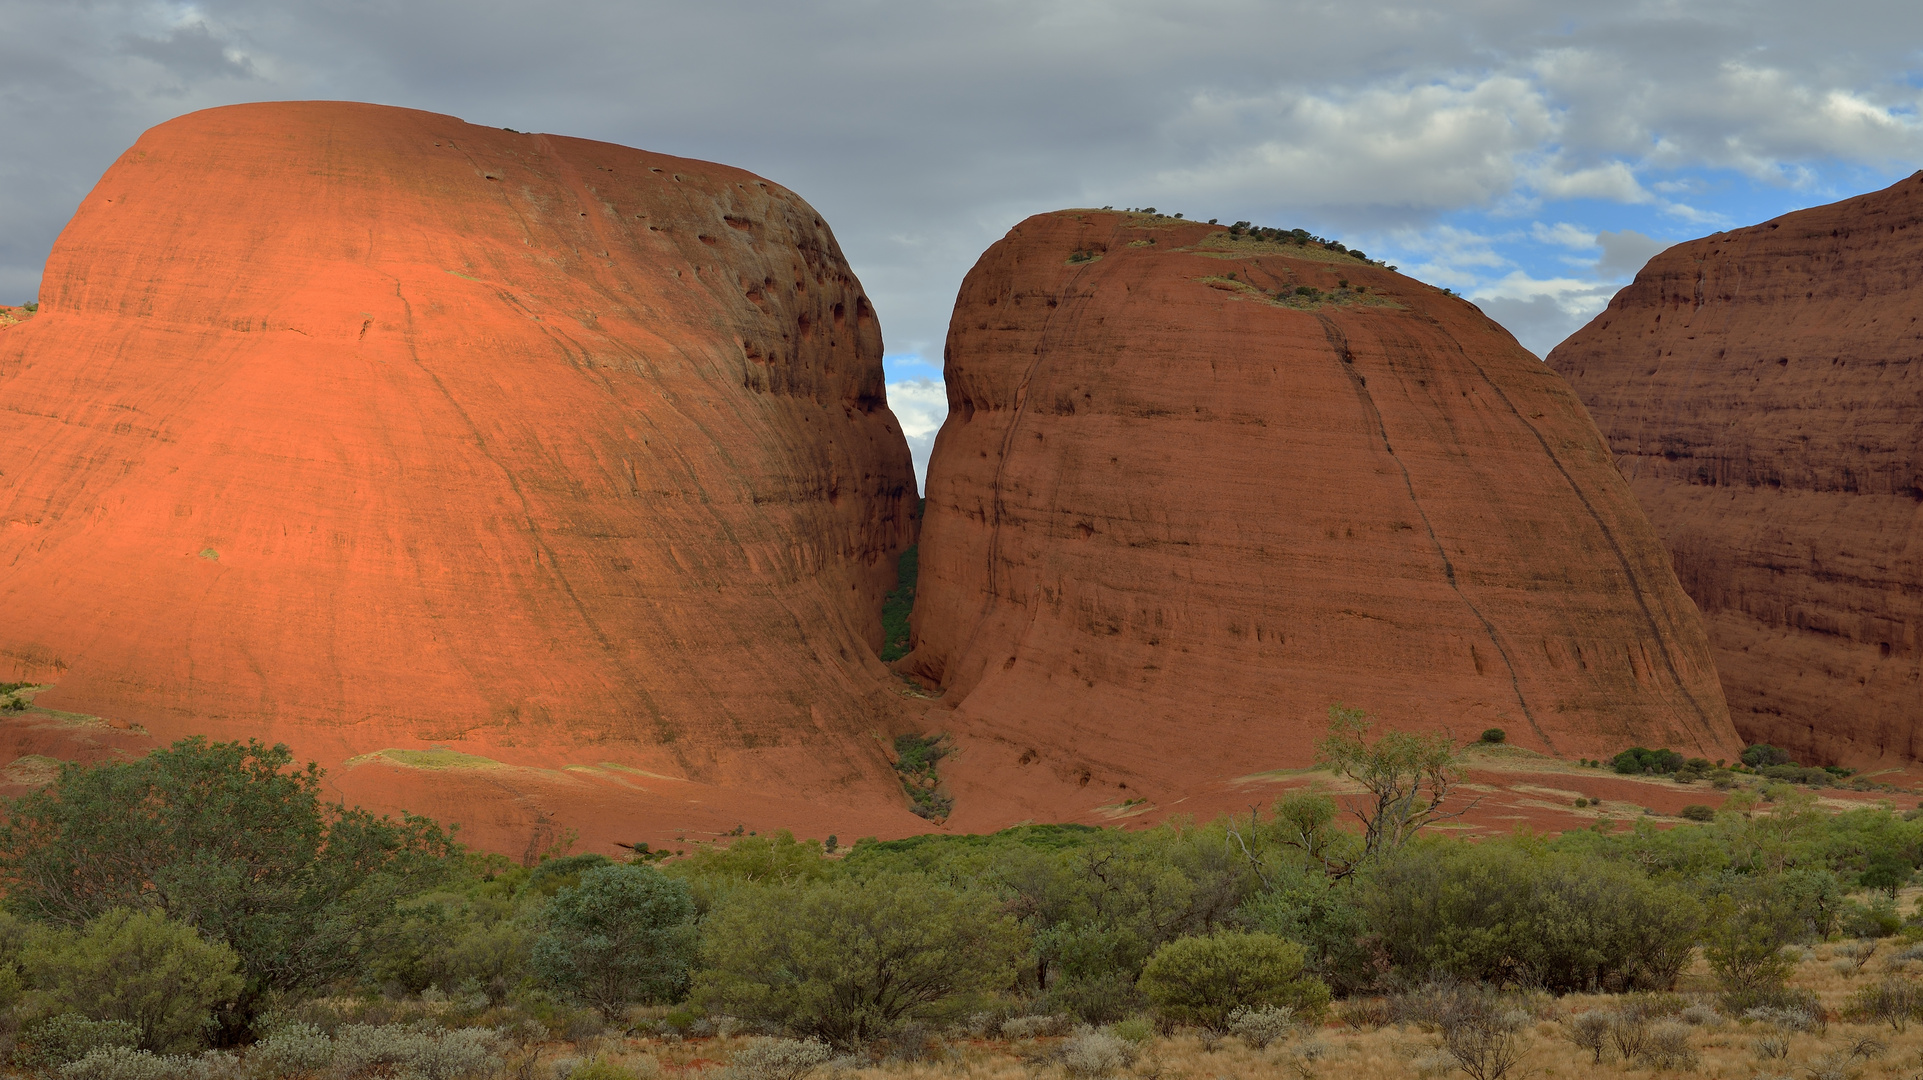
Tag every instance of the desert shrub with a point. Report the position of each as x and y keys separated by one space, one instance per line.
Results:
x=1698 y=812
x=1486 y=1038
x=1495 y=734
x=1701 y=1015
x=1201 y=980
x=1744 y=944
x=1590 y=1031
x=624 y=934
x=1092 y=1052
x=1628 y=1033
x=139 y=967
x=1886 y=871
x=750 y=862
x=125 y=1063
x=777 y=1059
x=420 y=1051
x=228 y=838
x=1262 y=1025
x=1837 y=1065
x=1762 y=755
x=1325 y=918
x=1516 y=912
x=1097 y=967
x=1135 y=1030
x=852 y=961
x=455 y=938
x=291 y=1049
x=1364 y=1014
x=59 y=1039
x=1797 y=774
x=1793 y=1017
x=1034 y=1027
x=1667 y=1047
x=1877 y=919
x=1893 y=1001
x=1638 y=760
x=600 y=1068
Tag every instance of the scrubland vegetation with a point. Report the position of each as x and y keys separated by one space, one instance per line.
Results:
x=202 y=913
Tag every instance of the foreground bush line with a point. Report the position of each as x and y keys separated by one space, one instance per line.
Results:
x=1436 y=1030
x=201 y=912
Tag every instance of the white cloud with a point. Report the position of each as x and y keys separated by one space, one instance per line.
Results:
x=1563 y=234
x=1465 y=139
x=920 y=405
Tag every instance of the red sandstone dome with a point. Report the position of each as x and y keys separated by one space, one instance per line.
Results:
x=1172 y=518
x=1762 y=391
x=543 y=481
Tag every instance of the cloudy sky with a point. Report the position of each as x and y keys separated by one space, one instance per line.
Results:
x=1528 y=153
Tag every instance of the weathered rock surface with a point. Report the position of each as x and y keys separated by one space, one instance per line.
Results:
x=1171 y=519
x=1762 y=391
x=367 y=429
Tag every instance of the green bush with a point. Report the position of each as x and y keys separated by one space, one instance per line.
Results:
x=1699 y=812
x=1202 y=980
x=900 y=603
x=1495 y=734
x=1638 y=760
x=624 y=934
x=473 y=939
x=64 y=1037
x=1744 y=944
x=228 y=838
x=1515 y=911
x=138 y=967
x=1761 y=755
x=853 y=961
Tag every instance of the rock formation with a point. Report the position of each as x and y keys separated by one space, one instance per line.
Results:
x=1193 y=489
x=380 y=433
x=1763 y=393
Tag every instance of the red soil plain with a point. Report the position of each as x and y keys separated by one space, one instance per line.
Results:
x=539 y=484
x=1762 y=389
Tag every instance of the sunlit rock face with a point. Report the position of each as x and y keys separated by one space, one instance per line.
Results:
x=364 y=428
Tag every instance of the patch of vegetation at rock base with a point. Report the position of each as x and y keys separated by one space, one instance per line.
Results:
x=896 y=607
x=915 y=759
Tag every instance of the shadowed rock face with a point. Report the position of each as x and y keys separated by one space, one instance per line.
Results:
x=1761 y=390
x=1171 y=520
x=367 y=428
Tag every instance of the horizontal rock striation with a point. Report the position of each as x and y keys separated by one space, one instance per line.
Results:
x=1763 y=393
x=366 y=428
x=1180 y=506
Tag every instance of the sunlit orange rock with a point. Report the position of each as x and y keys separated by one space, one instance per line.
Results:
x=1763 y=392
x=370 y=430
x=1171 y=519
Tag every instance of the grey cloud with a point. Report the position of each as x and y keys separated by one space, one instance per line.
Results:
x=1625 y=252
x=191 y=52
x=1540 y=323
x=924 y=131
